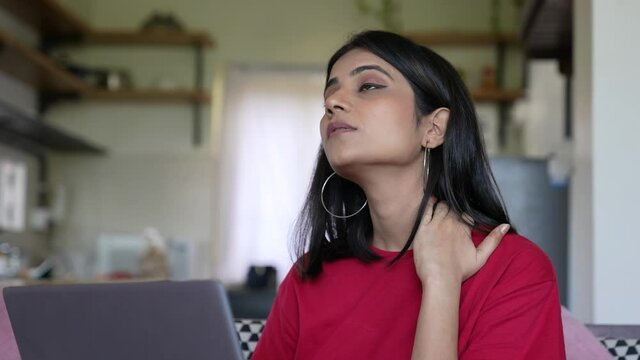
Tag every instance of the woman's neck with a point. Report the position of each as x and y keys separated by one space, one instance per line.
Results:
x=394 y=197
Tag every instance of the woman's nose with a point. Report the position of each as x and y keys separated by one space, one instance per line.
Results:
x=337 y=102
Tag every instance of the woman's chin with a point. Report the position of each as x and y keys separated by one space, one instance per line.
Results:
x=341 y=161
x=345 y=168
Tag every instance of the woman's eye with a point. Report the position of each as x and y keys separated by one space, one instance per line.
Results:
x=368 y=86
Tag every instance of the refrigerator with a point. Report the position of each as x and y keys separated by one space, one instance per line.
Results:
x=537 y=207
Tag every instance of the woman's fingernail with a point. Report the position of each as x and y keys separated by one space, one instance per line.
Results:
x=504 y=228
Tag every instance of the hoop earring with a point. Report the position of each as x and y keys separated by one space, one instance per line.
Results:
x=426 y=165
x=325 y=206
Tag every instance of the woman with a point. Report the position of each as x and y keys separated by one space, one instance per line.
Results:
x=405 y=251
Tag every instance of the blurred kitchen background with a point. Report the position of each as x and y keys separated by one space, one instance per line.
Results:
x=175 y=139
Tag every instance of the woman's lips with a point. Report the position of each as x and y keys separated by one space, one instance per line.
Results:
x=337 y=127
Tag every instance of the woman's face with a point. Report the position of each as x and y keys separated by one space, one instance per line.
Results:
x=370 y=117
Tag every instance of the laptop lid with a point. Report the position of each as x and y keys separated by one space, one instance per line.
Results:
x=139 y=320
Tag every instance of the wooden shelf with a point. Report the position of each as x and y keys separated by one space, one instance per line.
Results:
x=197 y=97
x=463 y=38
x=495 y=95
x=56 y=25
x=47 y=16
x=30 y=66
x=149 y=37
x=59 y=24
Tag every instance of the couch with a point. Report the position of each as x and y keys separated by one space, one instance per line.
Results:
x=582 y=342
x=591 y=342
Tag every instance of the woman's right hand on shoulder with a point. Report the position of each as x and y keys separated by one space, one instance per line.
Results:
x=443 y=248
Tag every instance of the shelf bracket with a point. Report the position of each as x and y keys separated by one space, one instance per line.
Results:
x=199 y=85
x=503 y=106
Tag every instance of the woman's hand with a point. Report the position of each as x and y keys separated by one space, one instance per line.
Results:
x=445 y=255
x=443 y=248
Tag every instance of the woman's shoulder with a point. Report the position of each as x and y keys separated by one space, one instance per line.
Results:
x=518 y=257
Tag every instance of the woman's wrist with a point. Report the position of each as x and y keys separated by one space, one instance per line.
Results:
x=441 y=290
x=437 y=328
x=441 y=279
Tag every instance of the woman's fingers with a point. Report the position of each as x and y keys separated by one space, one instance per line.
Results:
x=442 y=209
x=428 y=212
x=489 y=244
x=468 y=219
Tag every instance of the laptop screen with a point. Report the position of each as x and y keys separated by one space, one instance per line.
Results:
x=138 y=320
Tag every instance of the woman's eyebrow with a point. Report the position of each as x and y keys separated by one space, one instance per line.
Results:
x=362 y=68
x=356 y=71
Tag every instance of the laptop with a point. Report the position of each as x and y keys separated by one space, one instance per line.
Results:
x=159 y=320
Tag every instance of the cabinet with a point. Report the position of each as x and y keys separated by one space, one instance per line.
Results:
x=500 y=41
x=57 y=26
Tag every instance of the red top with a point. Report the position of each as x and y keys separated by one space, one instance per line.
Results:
x=508 y=310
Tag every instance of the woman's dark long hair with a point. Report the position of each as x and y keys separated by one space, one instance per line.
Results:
x=459 y=169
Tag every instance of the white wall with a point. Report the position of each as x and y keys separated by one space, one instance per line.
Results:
x=541 y=114
x=581 y=189
x=616 y=160
x=605 y=246
x=288 y=31
x=124 y=194
x=12 y=91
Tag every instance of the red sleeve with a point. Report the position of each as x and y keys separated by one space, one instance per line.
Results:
x=280 y=335
x=521 y=317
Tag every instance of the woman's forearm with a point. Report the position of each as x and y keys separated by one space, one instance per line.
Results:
x=437 y=328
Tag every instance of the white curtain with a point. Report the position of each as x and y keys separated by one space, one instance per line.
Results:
x=270 y=139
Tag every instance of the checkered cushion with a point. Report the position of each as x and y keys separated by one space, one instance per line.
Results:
x=623 y=349
x=249 y=331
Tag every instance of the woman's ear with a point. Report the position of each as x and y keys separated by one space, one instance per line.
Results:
x=436 y=127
